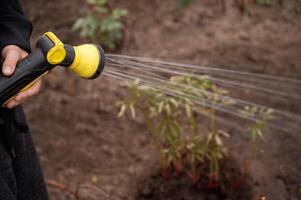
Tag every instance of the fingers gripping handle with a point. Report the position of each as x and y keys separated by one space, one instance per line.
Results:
x=26 y=73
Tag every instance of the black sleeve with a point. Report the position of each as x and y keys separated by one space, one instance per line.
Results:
x=14 y=27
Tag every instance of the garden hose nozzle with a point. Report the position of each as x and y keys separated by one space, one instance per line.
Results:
x=87 y=61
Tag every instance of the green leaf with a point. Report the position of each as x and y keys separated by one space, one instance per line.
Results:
x=133 y=112
x=101 y=10
x=160 y=108
x=78 y=24
x=118 y=13
x=188 y=110
x=97 y=2
x=218 y=140
x=259 y=133
x=223 y=133
x=184 y=3
x=174 y=102
x=122 y=111
x=167 y=108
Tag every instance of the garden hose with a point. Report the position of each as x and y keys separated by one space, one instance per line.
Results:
x=87 y=61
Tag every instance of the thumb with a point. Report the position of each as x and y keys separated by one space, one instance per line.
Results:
x=11 y=58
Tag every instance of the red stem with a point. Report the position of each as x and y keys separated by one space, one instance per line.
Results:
x=242 y=177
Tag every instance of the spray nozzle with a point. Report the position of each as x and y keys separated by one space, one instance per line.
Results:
x=87 y=61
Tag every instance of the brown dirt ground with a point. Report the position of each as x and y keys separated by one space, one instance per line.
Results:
x=74 y=124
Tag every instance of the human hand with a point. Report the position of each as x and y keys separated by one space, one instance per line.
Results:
x=11 y=54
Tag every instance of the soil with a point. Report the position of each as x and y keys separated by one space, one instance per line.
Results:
x=177 y=186
x=74 y=125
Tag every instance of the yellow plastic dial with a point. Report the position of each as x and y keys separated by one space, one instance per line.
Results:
x=56 y=54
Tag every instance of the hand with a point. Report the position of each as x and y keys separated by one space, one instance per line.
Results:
x=11 y=55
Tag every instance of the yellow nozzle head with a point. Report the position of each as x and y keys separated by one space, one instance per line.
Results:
x=89 y=61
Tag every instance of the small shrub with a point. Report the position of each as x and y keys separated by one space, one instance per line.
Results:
x=184 y=3
x=101 y=24
x=264 y=2
x=245 y=5
x=260 y=126
x=173 y=122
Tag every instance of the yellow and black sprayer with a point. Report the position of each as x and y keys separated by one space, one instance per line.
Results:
x=87 y=61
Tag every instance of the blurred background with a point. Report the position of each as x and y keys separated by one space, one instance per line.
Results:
x=74 y=123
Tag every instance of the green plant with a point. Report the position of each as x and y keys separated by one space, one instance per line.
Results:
x=259 y=126
x=173 y=122
x=245 y=5
x=184 y=3
x=264 y=2
x=101 y=24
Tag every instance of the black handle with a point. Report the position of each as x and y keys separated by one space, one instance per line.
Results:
x=27 y=71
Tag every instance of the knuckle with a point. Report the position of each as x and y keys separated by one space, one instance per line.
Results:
x=32 y=92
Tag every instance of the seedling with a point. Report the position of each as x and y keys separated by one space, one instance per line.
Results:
x=259 y=126
x=173 y=122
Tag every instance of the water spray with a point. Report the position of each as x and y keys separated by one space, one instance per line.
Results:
x=156 y=73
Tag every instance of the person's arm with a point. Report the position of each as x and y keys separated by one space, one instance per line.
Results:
x=15 y=31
